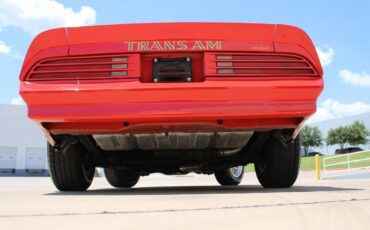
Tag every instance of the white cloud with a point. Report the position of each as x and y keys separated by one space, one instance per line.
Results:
x=331 y=109
x=326 y=57
x=35 y=16
x=356 y=79
x=321 y=114
x=4 y=48
x=17 y=101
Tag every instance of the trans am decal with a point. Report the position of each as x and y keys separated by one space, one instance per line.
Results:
x=173 y=45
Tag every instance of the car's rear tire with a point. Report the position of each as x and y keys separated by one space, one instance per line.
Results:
x=70 y=168
x=279 y=166
x=230 y=176
x=121 y=178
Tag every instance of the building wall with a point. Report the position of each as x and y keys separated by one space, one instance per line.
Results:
x=17 y=131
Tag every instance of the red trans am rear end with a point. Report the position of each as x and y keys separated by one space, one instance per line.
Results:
x=172 y=98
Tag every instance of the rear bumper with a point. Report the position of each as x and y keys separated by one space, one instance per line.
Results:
x=134 y=107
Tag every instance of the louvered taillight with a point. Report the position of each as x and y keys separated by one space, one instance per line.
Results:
x=257 y=65
x=87 y=68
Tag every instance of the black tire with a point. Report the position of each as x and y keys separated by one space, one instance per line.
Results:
x=279 y=167
x=226 y=177
x=70 y=169
x=121 y=178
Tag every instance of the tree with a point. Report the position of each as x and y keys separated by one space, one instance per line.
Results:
x=354 y=134
x=310 y=137
x=358 y=134
x=338 y=136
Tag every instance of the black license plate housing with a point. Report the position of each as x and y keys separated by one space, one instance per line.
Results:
x=172 y=70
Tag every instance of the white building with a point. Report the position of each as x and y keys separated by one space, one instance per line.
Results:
x=22 y=144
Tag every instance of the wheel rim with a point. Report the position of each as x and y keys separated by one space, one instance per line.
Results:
x=236 y=171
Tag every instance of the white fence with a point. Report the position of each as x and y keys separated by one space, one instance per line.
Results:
x=329 y=169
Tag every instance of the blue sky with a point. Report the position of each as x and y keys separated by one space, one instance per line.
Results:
x=340 y=29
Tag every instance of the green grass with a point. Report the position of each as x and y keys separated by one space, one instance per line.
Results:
x=308 y=163
x=343 y=158
x=249 y=168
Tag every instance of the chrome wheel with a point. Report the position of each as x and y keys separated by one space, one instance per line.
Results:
x=230 y=176
x=236 y=171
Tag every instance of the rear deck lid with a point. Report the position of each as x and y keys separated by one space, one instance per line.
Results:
x=158 y=37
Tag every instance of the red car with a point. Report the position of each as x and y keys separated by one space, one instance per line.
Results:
x=172 y=98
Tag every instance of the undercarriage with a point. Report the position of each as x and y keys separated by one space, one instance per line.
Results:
x=220 y=153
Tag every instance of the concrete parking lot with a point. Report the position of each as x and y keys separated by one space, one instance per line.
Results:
x=186 y=202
